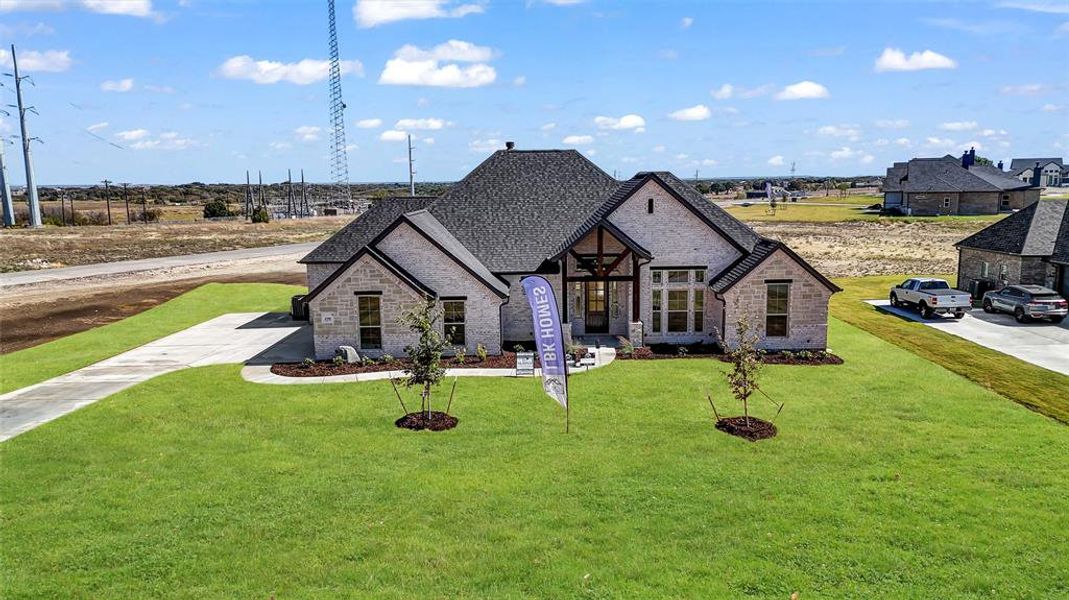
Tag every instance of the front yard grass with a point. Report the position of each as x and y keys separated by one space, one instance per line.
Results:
x=891 y=477
x=36 y=364
x=1040 y=389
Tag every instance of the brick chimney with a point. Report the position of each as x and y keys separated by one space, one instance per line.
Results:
x=1036 y=175
x=1000 y=165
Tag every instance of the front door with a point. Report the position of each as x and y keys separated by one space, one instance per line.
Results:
x=597 y=312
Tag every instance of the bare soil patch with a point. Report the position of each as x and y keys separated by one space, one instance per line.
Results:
x=752 y=429
x=421 y=421
x=854 y=249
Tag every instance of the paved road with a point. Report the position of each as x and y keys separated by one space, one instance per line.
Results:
x=231 y=338
x=148 y=264
x=1043 y=344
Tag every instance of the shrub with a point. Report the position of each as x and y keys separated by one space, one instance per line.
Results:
x=308 y=362
x=480 y=352
x=681 y=352
x=367 y=361
x=518 y=348
x=576 y=350
x=339 y=360
x=626 y=347
x=260 y=215
x=148 y=215
x=642 y=353
x=805 y=355
x=787 y=355
x=216 y=208
x=386 y=359
x=460 y=354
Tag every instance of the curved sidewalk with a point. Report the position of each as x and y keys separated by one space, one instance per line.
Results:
x=263 y=374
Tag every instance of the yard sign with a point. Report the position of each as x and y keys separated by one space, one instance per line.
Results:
x=549 y=338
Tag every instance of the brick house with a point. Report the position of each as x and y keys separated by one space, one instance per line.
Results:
x=1030 y=246
x=1044 y=172
x=951 y=186
x=648 y=259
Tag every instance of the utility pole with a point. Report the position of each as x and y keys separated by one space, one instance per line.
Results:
x=304 y=198
x=411 y=169
x=248 y=195
x=289 y=193
x=261 y=203
x=31 y=183
x=5 y=188
x=144 y=207
x=107 y=197
x=126 y=198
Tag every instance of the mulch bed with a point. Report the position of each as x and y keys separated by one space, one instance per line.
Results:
x=756 y=430
x=505 y=360
x=779 y=359
x=419 y=421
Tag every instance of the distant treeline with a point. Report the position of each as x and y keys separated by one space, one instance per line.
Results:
x=198 y=193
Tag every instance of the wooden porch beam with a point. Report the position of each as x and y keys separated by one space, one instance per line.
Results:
x=619 y=259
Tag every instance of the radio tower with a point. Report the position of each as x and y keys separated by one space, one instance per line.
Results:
x=339 y=156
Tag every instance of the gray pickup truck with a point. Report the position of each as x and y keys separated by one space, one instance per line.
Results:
x=931 y=296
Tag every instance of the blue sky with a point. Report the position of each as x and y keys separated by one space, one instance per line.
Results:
x=175 y=91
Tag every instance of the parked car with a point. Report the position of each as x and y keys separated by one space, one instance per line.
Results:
x=931 y=296
x=1027 y=302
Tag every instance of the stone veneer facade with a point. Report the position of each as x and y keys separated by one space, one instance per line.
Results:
x=1008 y=269
x=807 y=322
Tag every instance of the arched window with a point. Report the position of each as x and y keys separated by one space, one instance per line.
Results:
x=649 y=206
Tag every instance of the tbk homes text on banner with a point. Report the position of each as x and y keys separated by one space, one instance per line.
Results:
x=549 y=338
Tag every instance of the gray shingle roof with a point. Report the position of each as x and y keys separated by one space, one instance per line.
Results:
x=515 y=208
x=946 y=174
x=350 y=239
x=1036 y=230
x=1020 y=164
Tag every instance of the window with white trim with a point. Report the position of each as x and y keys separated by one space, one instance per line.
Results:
x=453 y=321
x=946 y=202
x=369 y=310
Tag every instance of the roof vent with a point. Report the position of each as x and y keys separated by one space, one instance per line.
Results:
x=510 y=145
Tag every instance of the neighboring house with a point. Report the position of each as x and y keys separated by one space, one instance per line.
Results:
x=649 y=259
x=949 y=186
x=1052 y=171
x=1030 y=246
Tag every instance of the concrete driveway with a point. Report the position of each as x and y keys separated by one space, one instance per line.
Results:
x=231 y=338
x=1043 y=343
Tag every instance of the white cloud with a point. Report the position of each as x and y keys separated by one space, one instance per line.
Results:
x=303 y=72
x=428 y=141
x=548 y=127
x=843 y=153
x=95 y=127
x=307 y=133
x=411 y=65
x=866 y=159
x=578 y=140
x=724 y=92
x=369 y=123
x=1052 y=108
x=168 y=140
x=280 y=145
x=776 y=161
x=904 y=142
x=630 y=121
x=851 y=132
x=686 y=22
x=1055 y=7
x=487 y=145
x=130 y=135
x=894 y=59
x=424 y=124
x=709 y=162
x=121 y=85
x=698 y=112
x=30 y=61
x=519 y=81
x=958 y=126
x=682 y=156
x=371 y=13
x=1026 y=89
x=393 y=135
x=803 y=90
x=892 y=123
x=133 y=8
x=658 y=149
x=590 y=151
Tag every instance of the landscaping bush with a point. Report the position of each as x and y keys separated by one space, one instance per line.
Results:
x=480 y=352
x=217 y=208
x=260 y=215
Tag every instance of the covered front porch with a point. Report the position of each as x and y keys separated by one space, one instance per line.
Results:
x=601 y=286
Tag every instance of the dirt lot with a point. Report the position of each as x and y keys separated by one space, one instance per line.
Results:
x=23 y=249
x=875 y=248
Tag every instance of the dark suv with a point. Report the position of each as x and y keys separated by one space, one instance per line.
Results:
x=1027 y=302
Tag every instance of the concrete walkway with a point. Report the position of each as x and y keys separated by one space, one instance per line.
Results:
x=149 y=264
x=232 y=338
x=261 y=373
x=1043 y=344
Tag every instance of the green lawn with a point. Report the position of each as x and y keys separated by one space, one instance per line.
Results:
x=892 y=477
x=1040 y=389
x=807 y=213
x=34 y=365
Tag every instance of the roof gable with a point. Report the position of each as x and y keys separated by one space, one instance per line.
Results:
x=746 y=264
x=347 y=241
x=1020 y=164
x=383 y=260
